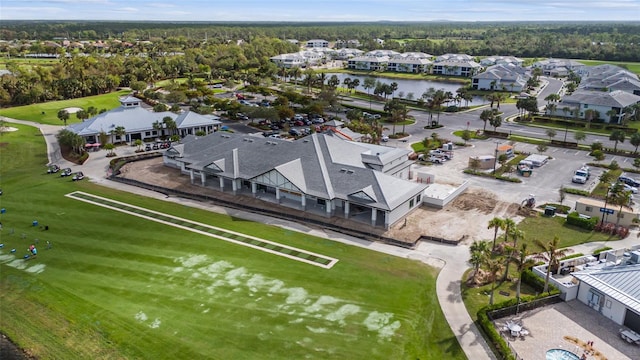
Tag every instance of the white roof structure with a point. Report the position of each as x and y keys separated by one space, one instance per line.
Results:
x=137 y=119
x=622 y=283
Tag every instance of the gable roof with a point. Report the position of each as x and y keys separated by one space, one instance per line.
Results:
x=321 y=165
x=612 y=99
x=621 y=283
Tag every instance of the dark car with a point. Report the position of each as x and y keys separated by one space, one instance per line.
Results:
x=65 y=172
x=78 y=176
x=294 y=132
x=156 y=146
x=53 y=169
x=147 y=148
x=629 y=181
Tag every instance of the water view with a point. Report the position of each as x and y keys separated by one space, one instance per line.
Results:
x=406 y=86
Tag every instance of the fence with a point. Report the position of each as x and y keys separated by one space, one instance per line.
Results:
x=236 y=205
x=527 y=306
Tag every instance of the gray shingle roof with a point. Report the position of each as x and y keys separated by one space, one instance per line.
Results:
x=621 y=283
x=618 y=98
x=321 y=165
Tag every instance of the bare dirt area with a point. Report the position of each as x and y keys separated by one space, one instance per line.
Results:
x=464 y=219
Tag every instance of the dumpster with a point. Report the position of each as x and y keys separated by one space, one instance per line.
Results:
x=550 y=210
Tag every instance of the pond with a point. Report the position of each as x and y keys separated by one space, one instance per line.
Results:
x=417 y=87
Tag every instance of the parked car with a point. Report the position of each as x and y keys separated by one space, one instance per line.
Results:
x=155 y=146
x=217 y=86
x=384 y=138
x=629 y=181
x=65 y=172
x=298 y=123
x=78 y=176
x=53 y=169
x=294 y=132
x=147 y=148
x=581 y=176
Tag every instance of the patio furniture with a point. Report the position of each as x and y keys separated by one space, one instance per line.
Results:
x=630 y=336
x=514 y=328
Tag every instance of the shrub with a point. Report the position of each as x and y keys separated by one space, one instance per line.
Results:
x=599 y=250
x=572 y=256
x=598 y=154
x=575 y=220
x=577 y=191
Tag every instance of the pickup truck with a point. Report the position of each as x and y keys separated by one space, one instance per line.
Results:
x=581 y=176
x=432 y=158
x=448 y=155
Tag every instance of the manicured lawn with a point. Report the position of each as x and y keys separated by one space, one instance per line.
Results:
x=26 y=63
x=545 y=228
x=47 y=113
x=117 y=286
x=475 y=298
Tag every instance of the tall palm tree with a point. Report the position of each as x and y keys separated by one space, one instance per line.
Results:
x=494 y=266
x=551 y=253
x=169 y=124
x=619 y=196
x=616 y=136
x=509 y=227
x=497 y=224
x=523 y=261
x=485 y=116
x=479 y=254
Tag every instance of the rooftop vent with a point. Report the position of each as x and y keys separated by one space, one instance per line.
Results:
x=349 y=171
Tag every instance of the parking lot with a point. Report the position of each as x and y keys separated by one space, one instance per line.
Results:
x=544 y=182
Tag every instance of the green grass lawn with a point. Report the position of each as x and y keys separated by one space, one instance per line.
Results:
x=475 y=298
x=47 y=113
x=116 y=286
x=545 y=228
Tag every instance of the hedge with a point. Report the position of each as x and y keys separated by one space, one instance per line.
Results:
x=575 y=220
x=572 y=256
x=576 y=191
x=598 y=251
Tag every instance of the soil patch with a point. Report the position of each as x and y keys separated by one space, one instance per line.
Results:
x=9 y=350
x=72 y=110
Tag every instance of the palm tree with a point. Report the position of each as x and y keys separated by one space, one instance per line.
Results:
x=63 y=115
x=634 y=139
x=347 y=82
x=138 y=143
x=369 y=83
x=509 y=227
x=552 y=255
x=616 y=136
x=497 y=224
x=169 y=124
x=479 y=254
x=580 y=135
x=619 y=196
x=485 y=116
x=494 y=266
x=523 y=262
x=613 y=114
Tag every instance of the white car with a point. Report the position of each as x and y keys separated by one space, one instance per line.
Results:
x=384 y=138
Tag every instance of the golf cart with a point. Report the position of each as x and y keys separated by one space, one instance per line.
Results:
x=78 y=176
x=65 y=172
x=53 y=169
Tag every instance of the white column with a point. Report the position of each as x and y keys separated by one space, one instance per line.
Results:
x=203 y=178
x=191 y=176
x=303 y=201
x=221 y=183
x=234 y=185
x=346 y=209
x=328 y=206
x=278 y=194
x=254 y=188
x=386 y=219
x=374 y=216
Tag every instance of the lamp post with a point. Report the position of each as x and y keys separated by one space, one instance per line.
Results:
x=566 y=128
x=495 y=160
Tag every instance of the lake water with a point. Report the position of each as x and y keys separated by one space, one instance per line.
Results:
x=417 y=87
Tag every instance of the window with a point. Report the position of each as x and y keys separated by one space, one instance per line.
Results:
x=588 y=208
x=411 y=202
x=586 y=106
x=148 y=133
x=419 y=198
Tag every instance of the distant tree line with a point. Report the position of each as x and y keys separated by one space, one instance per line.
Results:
x=586 y=40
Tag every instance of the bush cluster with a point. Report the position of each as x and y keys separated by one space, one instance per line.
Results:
x=575 y=220
x=577 y=192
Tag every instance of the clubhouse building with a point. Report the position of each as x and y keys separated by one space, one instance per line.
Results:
x=321 y=174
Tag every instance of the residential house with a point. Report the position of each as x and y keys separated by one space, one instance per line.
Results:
x=370 y=63
x=591 y=207
x=409 y=64
x=317 y=43
x=465 y=68
x=348 y=53
x=320 y=173
x=299 y=59
x=501 y=60
x=559 y=67
x=600 y=102
x=609 y=78
x=382 y=52
x=614 y=292
x=504 y=76
x=341 y=44
x=138 y=123
x=454 y=57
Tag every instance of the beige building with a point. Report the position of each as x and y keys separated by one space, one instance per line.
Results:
x=592 y=207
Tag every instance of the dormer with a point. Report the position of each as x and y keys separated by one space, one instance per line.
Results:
x=129 y=101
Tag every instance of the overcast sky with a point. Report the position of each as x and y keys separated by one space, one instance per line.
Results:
x=321 y=10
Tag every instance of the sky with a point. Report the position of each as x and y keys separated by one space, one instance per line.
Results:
x=322 y=10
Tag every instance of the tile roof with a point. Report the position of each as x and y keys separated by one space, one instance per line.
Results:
x=621 y=283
